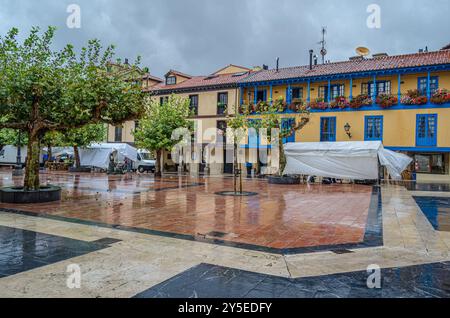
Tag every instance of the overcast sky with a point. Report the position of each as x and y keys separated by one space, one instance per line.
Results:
x=200 y=36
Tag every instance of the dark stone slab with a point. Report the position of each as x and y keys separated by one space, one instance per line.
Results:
x=437 y=211
x=283 y=179
x=211 y=281
x=22 y=250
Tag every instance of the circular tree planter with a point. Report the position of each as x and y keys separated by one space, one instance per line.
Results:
x=284 y=179
x=80 y=169
x=236 y=194
x=18 y=195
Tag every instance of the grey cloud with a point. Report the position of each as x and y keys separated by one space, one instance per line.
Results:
x=200 y=36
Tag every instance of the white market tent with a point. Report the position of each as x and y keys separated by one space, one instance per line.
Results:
x=97 y=155
x=343 y=160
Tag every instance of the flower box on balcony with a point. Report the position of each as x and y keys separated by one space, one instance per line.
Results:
x=340 y=102
x=441 y=96
x=318 y=104
x=386 y=100
x=360 y=100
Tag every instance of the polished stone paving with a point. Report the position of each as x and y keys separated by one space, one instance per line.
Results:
x=211 y=281
x=280 y=217
x=132 y=262
x=437 y=211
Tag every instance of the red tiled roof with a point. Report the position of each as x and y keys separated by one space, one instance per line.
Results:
x=202 y=81
x=178 y=73
x=372 y=64
x=151 y=77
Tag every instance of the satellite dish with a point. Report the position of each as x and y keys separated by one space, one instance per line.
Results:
x=362 y=51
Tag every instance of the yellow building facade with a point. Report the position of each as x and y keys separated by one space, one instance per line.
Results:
x=400 y=100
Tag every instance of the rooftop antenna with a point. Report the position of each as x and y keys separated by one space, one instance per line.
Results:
x=323 y=50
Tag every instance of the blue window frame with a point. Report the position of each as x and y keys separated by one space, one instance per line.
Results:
x=287 y=123
x=426 y=130
x=383 y=87
x=336 y=90
x=422 y=84
x=327 y=128
x=373 y=128
x=261 y=96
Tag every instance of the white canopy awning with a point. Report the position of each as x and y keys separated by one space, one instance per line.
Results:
x=343 y=160
x=97 y=155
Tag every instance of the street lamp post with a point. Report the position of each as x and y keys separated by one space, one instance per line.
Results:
x=18 y=171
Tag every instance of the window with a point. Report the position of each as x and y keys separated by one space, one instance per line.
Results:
x=118 y=134
x=383 y=87
x=193 y=104
x=287 y=123
x=373 y=128
x=429 y=163
x=328 y=129
x=297 y=92
x=422 y=84
x=163 y=100
x=426 y=129
x=222 y=103
x=221 y=130
x=336 y=91
x=171 y=80
x=261 y=96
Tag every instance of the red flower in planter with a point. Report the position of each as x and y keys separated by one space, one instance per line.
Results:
x=386 y=100
x=441 y=96
x=360 y=100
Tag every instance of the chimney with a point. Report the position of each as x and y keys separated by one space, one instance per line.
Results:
x=315 y=59
x=278 y=63
x=265 y=67
x=126 y=61
x=311 y=59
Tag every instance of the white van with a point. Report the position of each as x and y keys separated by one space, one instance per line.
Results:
x=8 y=155
x=145 y=161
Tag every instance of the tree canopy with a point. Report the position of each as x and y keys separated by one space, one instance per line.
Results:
x=44 y=90
x=155 y=129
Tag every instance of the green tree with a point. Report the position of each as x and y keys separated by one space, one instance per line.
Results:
x=239 y=124
x=155 y=129
x=270 y=115
x=81 y=137
x=11 y=137
x=43 y=90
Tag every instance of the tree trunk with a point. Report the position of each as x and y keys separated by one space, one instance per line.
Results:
x=31 y=181
x=49 y=153
x=76 y=154
x=158 y=172
x=235 y=167
x=282 y=156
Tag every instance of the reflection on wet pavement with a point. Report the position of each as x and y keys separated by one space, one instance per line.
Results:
x=437 y=211
x=279 y=217
x=211 y=281
x=22 y=250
